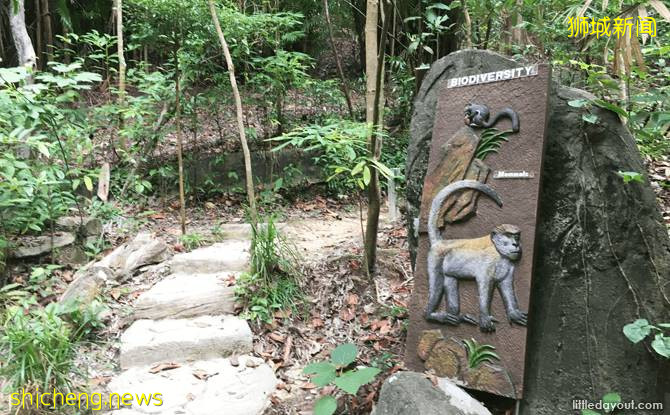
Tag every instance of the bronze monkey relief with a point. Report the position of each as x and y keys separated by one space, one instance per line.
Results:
x=474 y=260
x=488 y=260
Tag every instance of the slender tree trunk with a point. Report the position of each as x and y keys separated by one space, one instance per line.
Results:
x=518 y=34
x=119 y=51
x=345 y=88
x=488 y=32
x=180 y=159
x=468 y=27
x=46 y=14
x=24 y=50
x=374 y=114
x=118 y=5
x=2 y=42
x=38 y=35
x=240 y=117
x=17 y=23
x=394 y=25
x=371 y=18
x=359 y=24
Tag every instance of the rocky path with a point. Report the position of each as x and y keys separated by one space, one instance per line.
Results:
x=186 y=345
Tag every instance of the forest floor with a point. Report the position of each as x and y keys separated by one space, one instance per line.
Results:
x=341 y=303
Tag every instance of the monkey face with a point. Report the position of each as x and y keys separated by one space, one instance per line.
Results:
x=507 y=240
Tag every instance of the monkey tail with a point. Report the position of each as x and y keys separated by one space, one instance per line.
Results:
x=442 y=195
x=505 y=113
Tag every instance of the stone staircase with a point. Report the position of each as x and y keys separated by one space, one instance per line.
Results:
x=184 y=325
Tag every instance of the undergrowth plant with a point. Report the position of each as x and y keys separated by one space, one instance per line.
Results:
x=339 y=147
x=272 y=283
x=338 y=371
x=44 y=138
x=641 y=329
x=192 y=240
x=609 y=403
x=37 y=345
x=37 y=350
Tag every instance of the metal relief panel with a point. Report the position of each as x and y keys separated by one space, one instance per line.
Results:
x=477 y=230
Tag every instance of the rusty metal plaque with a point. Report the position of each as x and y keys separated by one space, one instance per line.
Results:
x=474 y=264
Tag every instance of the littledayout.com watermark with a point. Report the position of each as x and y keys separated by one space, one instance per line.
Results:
x=608 y=407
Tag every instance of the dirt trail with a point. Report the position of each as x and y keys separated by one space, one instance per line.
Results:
x=321 y=236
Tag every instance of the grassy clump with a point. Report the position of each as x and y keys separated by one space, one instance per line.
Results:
x=38 y=345
x=273 y=281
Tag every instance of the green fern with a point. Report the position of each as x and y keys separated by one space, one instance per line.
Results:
x=490 y=142
x=479 y=353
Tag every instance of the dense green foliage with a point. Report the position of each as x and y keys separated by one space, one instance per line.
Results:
x=339 y=147
x=37 y=345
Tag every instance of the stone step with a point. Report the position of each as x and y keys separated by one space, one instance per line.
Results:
x=187 y=295
x=230 y=255
x=203 y=387
x=148 y=342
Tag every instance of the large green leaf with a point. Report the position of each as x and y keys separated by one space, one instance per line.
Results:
x=637 y=330
x=324 y=378
x=590 y=118
x=344 y=354
x=318 y=367
x=324 y=371
x=12 y=75
x=578 y=103
x=611 y=399
x=326 y=405
x=351 y=381
x=662 y=345
x=614 y=108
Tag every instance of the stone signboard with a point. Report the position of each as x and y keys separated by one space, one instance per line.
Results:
x=477 y=223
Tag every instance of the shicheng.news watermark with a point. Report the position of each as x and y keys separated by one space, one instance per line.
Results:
x=578 y=404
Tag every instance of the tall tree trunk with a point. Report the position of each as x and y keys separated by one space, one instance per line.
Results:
x=2 y=42
x=118 y=5
x=345 y=88
x=359 y=24
x=488 y=32
x=374 y=73
x=119 y=51
x=518 y=35
x=180 y=147
x=394 y=25
x=240 y=117
x=468 y=27
x=371 y=18
x=46 y=14
x=24 y=50
x=38 y=35
x=17 y=23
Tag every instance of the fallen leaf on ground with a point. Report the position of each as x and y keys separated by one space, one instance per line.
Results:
x=164 y=366
x=202 y=375
x=317 y=323
x=347 y=314
x=353 y=299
